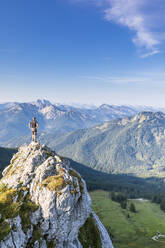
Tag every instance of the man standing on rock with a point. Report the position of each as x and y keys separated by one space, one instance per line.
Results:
x=33 y=125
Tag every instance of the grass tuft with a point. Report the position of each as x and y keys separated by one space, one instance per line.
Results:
x=26 y=208
x=50 y=244
x=49 y=154
x=54 y=183
x=3 y=187
x=36 y=235
x=75 y=174
x=10 y=209
x=4 y=229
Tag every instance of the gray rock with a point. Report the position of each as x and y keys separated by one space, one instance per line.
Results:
x=61 y=195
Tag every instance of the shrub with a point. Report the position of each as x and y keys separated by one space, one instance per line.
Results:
x=156 y=199
x=49 y=154
x=118 y=197
x=123 y=204
x=89 y=235
x=162 y=204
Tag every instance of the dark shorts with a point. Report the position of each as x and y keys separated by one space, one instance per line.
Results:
x=34 y=130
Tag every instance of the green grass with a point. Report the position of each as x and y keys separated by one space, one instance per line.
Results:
x=134 y=231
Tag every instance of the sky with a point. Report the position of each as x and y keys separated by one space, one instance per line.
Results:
x=83 y=51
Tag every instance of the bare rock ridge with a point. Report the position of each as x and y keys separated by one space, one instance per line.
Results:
x=44 y=203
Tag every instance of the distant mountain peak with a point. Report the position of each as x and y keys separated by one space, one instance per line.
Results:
x=42 y=102
x=104 y=106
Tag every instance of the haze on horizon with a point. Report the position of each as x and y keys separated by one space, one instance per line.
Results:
x=79 y=51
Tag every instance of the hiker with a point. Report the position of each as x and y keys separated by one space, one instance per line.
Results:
x=33 y=125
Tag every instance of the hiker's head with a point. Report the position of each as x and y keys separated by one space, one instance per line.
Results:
x=34 y=118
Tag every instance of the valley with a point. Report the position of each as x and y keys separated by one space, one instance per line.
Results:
x=129 y=229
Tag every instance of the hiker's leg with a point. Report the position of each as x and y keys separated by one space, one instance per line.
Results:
x=35 y=136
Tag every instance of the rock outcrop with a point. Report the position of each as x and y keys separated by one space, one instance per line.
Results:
x=44 y=203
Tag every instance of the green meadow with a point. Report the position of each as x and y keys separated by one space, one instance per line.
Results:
x=127 y=229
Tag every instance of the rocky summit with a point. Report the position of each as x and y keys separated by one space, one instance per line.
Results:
x=45 y=203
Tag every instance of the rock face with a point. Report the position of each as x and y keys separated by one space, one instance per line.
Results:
x=45 y=203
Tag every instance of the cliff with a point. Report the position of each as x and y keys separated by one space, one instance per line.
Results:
x=45 y=203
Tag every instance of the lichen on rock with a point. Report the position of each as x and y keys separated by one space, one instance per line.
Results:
x=44 y=203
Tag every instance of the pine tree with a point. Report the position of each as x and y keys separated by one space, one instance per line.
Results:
x=162 y=204
x=113 y=196
x=132 y=208
x=123 y=204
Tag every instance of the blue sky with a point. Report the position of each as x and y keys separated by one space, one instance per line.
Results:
x=83 y=51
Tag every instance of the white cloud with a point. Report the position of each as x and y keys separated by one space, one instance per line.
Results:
x=133 y=14
x=151 y=53
x=142 y=17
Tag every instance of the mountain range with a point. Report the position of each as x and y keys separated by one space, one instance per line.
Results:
x=131 y=142
x=132 y=145
x=55 y=119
